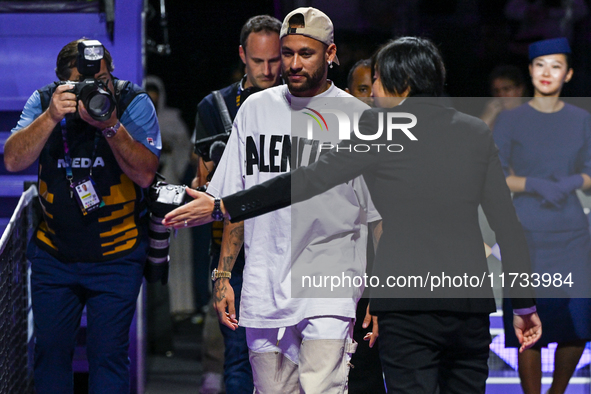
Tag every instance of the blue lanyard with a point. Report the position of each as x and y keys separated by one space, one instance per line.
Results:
x=68 y=159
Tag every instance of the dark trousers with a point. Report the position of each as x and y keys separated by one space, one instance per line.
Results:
x=423 y=351
x=60 y=291
x=366 y=375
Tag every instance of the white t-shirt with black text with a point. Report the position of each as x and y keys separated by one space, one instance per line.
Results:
x=322 y=237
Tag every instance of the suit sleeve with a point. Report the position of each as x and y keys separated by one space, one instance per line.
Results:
x=339 y=165
x=364 y=199
x=498 y=207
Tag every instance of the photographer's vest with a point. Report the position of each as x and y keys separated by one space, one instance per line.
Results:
x=107 y=233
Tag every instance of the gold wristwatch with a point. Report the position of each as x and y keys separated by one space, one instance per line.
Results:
x=215 y=274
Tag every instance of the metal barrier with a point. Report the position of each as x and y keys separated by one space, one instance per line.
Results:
x=16 y=334
x=16 y=316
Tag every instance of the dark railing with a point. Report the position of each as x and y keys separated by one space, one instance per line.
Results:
x=15 y=306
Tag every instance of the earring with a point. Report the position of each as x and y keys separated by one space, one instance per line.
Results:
x=330 y=64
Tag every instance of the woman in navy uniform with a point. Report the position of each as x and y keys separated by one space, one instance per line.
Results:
x=545 y=151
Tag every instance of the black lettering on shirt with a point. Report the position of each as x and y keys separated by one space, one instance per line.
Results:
x=274 y=152
x=293 y=162
x=285 y=152
x=281 y=154
x=262 y=166
x=252 y=155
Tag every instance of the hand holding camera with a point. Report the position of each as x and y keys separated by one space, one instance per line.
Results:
x=162 y=198
x=88 y=118
x=63 y=102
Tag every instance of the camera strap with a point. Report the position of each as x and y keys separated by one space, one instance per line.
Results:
x=223 y=110
x=68 y=159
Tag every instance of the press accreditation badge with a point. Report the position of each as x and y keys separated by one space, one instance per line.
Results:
x=86 y=195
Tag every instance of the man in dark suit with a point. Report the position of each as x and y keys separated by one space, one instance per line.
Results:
x=429 y=337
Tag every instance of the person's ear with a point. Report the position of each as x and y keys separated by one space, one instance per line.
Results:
x=569 y=75
x=242 y=54
x=331 y=53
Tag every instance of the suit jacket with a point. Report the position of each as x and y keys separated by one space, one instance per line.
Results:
x=428 y=195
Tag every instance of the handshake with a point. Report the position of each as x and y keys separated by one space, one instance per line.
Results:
x=553 y=192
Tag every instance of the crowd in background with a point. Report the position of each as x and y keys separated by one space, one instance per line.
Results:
x=474 y=38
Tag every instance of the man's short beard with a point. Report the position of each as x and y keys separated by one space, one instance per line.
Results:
x=311 y=82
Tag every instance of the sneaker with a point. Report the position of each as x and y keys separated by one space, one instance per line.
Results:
x=211 y=383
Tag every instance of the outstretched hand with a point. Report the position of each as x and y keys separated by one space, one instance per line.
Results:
x=193 y=213
x=528 y=329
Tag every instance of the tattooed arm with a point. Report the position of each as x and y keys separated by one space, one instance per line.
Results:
x=223 y=301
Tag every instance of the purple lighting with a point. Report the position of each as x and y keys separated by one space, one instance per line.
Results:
x=509 y=355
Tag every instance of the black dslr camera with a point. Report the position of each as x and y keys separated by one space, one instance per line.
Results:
x=94 y=94
x=162 y=198
x=211 y=148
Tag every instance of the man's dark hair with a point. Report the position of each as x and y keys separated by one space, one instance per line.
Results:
x=297 y=20
x=360 y=63
x=68 y=59
x=509 y=72
x=259 y=23
x=410 y=63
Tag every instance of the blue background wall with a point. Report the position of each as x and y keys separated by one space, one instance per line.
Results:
x=30 y=42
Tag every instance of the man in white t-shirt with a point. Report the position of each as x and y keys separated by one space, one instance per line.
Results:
x=294 y=342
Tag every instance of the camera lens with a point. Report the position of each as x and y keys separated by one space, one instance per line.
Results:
x=99 y=102
x=159 y=241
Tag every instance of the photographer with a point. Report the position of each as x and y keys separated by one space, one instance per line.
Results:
x=90 y=248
